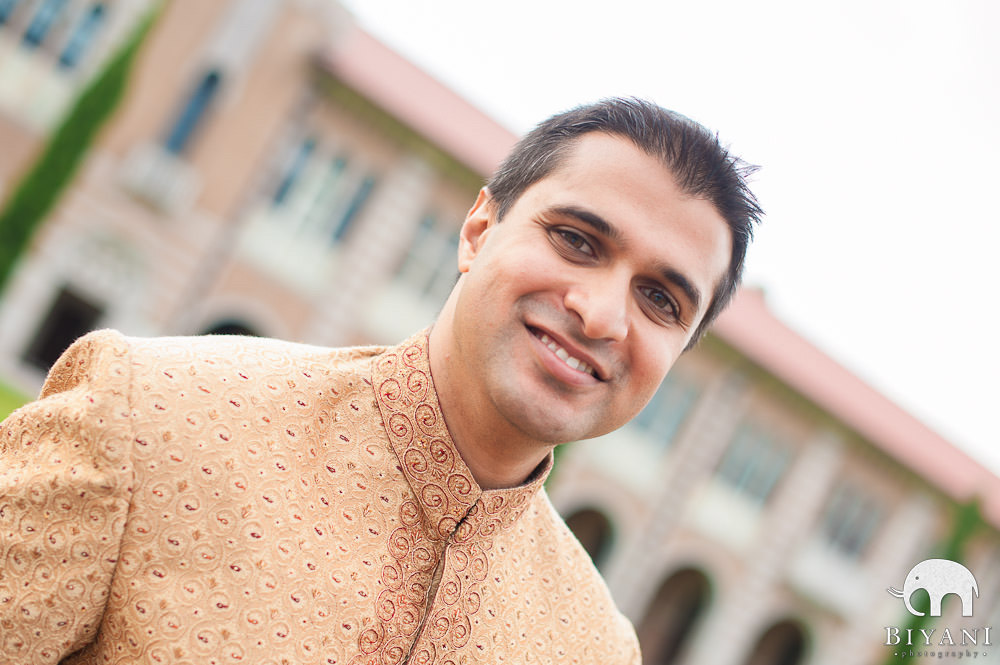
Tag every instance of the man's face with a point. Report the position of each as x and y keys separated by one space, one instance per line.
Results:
x=571 y=310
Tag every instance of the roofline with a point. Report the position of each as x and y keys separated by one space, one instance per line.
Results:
x=750 y=328
x=418 y=100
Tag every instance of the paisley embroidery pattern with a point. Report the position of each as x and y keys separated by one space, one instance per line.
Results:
x=451 y=506
x=228 y=500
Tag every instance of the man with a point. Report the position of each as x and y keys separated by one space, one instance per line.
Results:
x=217 y=500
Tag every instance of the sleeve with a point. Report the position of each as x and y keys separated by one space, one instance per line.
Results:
x=65 y=486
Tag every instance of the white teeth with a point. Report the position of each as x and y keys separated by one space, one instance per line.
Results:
x=563 y=355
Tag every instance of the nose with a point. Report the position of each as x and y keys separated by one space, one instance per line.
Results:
x=601 y=302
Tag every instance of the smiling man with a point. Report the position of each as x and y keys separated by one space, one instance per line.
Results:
x=570 y=311
x=237 y=500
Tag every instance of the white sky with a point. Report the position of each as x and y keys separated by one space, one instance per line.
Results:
x=875 y=122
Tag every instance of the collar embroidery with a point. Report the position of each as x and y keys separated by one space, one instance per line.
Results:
x=440 y=479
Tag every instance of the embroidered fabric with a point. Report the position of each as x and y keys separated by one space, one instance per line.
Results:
x=233 y=500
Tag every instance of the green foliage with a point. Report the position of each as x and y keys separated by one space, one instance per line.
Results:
x=968 y=519
x=10 y=399
x=39 y=190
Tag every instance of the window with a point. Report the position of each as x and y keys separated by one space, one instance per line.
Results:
x=663 y=416
x=42 y=22
x=71 y=315
x=358 y=201
x=293 y=170
x=430 y=267
x=753 y=463
x=82 y=36
x=320 y=193
x=851 y=519
x=314 y=202
x=7 y=8
x=193 y=112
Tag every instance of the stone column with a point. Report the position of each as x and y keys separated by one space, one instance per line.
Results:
x=896 y=548
x=701 y=443
x=791 y=513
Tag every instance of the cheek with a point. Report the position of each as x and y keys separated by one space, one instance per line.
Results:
x=652 y=367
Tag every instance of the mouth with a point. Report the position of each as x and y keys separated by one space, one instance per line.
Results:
x=565 y=356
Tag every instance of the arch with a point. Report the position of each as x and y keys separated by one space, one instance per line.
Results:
x=70 y=315
x=230 y=327
x=231 y=305
x=672 y=616
x=594 y=531
x=784 y=643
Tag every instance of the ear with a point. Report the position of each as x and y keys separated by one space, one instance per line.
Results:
x=474 y=230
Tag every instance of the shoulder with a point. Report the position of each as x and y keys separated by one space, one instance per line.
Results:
x=109 y=359
x=103 y=353
x=231 y=350
x=543 y=512
x=205 y=353
x=591 y=599
x=82 y=414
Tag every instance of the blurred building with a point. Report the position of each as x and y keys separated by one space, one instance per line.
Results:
x=273 y=170
x=276 y=170
x=758 y=509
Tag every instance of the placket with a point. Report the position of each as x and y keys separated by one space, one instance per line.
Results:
x=454 y=597
x=438 y=556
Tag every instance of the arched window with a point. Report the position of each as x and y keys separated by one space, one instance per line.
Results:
x=82 y=37
x=784 y=643
x=42 y=22
x=672 y=615
x=594 y=532
x=193 y=112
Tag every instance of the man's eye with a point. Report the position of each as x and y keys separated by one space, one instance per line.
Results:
x=575 y=240
x=659 y=299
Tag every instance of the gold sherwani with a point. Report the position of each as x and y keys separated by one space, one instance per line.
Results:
x=233 y=500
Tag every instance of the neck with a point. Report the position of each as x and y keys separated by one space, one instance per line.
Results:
x=497 y=454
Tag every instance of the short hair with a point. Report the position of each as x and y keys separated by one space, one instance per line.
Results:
x=702 y=167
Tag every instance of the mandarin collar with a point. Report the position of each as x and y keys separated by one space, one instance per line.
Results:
x=444 y=487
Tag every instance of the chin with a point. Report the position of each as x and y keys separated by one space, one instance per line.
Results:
x=538 y=412
x=536 y=422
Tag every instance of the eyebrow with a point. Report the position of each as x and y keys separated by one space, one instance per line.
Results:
x=612 y=232
x=593 y=220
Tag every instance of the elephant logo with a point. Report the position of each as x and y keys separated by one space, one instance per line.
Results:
x=939 y=577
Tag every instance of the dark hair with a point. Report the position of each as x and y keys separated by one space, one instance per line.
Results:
x=702 y=166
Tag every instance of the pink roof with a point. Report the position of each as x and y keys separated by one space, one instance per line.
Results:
x=750 y=328
x=418 y=100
